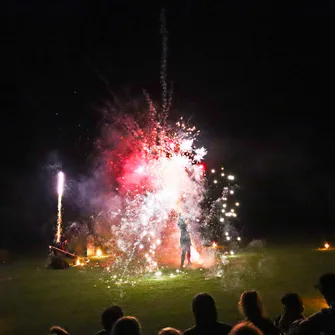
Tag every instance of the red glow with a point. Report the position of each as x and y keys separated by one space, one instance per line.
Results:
x=202 y=166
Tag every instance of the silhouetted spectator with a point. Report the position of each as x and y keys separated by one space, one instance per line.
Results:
x=245 y=328
x=127 y=325
x=293 y=309
x=251 y=307
x=169 y=331
x=322 y=322
x=205 y=315
x=109 y=316
x=56 y=330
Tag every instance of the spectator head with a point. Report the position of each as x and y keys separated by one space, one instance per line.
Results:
x=292 y=303
x=245 y=328
x=250 y=304
x=204 y=309
x=55 y=330
x=110 y=315
x=127 y=325
x=169 y=331
x=326 y=285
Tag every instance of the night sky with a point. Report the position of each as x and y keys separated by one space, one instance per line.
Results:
x=258 y=80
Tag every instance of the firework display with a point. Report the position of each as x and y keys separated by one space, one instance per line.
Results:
x=153 y=172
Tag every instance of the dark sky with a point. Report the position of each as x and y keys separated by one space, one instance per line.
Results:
x=257 y=78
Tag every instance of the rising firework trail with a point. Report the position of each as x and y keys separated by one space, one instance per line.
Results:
x=60 y=190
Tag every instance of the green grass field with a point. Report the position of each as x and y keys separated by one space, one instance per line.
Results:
x=33 y=298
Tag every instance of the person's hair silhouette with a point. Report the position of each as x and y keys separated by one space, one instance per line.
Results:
x=108 y=317
x=245 y=328
x=205 y=315
x=251 y=307
x=293 y=308
x=326 y=286
x=127 y=325
x=169 y=331
x=204 y=309
x=292 y=303
x=56 y=330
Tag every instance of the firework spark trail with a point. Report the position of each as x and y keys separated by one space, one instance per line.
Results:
x=60 y=190
x=223 y=206
x=166 y=100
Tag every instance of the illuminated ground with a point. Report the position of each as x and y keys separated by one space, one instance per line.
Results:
x=33 y=299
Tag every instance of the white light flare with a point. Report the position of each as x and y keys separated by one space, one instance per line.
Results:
x=60 y=190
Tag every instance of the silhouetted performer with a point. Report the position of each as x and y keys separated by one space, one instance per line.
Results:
x=251 y=307
x=293 y=309
x=205 y=315
x=185 y=241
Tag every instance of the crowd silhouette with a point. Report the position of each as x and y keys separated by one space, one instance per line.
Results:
x=291 y=321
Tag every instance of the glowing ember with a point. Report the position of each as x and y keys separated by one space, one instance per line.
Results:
x=327 y=246
x=79 y=263
x=214 y=245
x=99 y=253
x=195 y=256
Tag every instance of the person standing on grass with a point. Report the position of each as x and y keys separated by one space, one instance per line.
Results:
x=251 y=308
x=323 y=322
x=205 y=315
x=108 y=318
x=185 y=240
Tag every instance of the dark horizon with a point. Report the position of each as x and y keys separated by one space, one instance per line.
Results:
x=256 y=79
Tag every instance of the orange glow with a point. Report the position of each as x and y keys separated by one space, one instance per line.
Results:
x=195 y=256
x=78 y=263
x=99 y=253
x=214 y=245
x=327 y=246
x=314 y=303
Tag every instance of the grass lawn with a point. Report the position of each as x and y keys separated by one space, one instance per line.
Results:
x=33 y=298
